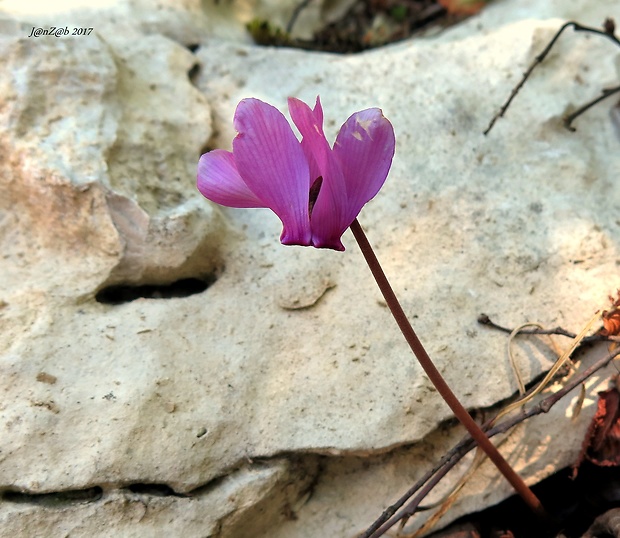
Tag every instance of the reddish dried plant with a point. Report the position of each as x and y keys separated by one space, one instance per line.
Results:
x=611 y=318
x=463 y=7
x=601 y=445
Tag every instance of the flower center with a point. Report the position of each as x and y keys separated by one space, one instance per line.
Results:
x=314 y=193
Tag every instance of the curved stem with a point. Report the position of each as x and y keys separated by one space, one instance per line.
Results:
x=436 y=378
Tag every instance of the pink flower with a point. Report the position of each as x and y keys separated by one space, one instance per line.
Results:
x=315 y=190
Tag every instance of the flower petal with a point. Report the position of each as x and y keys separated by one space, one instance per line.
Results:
x=330 y=208
x=298 y=109
x=219 y=181
x=364 y=147
x=273 y=165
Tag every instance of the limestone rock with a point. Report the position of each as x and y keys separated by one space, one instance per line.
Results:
x=188 y=21
x=233 y=508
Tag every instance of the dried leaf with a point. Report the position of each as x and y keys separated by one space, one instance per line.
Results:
x=601 y=445
x=463 y=7
x=611 y=318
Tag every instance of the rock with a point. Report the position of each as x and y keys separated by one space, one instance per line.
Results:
x=306 y=22
x=234 y=508
x=286 y=357
x=189 y=22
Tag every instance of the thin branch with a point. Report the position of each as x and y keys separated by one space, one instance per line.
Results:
x=483 y=319
x=568 y=120
x=511 y=357
x=607 y=31
x=390 y=517
x=300 y=7
x=447 y=462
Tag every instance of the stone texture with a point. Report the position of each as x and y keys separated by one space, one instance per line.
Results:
x=149 y=511
x=185 y=21
x=290 y=351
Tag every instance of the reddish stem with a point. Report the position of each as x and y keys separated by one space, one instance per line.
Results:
x=436 y=378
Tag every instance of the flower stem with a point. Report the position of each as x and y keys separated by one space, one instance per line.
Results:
x=436 y=378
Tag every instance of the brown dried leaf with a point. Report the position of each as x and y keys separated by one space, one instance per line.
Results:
x=611 y=318
x=463 y=7
x=601 y=444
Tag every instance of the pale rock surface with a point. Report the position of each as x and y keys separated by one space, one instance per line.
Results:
x=150 y=512
x=279 y=13
x=185 y=21
x=231 y=394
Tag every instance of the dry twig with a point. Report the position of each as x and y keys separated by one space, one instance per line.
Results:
x=395 y=513
x=607 y=31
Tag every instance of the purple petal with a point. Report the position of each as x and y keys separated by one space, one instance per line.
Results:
x=273 y=165
x=220 y=182
x=299 y=109
x=330 y=208
x=318 y=112
x=364 y=147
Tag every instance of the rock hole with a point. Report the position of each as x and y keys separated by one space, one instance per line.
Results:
x=572 y=504
x=58 y=499
x=213 y=142
x=209 y=487
x=193 y=73
x=127 y=293
x=214 y=139
x=207 y=148
x=157 y=490
x=192 y=47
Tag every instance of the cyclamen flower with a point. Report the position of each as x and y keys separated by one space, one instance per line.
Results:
x=315 y=190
